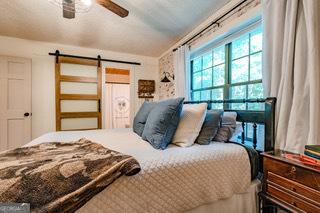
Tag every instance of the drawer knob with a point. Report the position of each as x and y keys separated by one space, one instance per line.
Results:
x=293 y=171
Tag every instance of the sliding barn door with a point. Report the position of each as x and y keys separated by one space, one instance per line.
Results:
x=15 y=102
x=78 y=94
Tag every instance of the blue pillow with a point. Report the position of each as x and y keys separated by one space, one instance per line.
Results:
x=162 y=123
x=210 y=126
x=140 y=119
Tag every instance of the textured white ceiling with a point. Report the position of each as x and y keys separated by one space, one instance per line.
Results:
x=150 y=29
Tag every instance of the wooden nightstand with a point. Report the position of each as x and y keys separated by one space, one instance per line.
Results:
x=289 y=184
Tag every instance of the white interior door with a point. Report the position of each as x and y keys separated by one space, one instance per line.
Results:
x=15 y=102
x=117 y=110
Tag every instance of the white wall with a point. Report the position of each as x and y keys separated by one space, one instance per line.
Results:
x=43 y=89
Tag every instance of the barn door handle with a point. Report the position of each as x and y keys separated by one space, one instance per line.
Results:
x=99 y=105
x=26 y=114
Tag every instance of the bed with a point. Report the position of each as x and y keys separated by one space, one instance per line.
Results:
x=216 y=177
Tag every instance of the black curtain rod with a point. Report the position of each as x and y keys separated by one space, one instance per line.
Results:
x=210 y=25
x=258 y=100
x=57 y=53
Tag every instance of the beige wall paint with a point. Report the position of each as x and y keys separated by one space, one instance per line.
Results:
x=43 y=92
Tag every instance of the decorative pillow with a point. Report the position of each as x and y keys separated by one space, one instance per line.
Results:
x=162 y=123
x=228 y=126
x=140 y=119
x=190 y=124
x=210 y=127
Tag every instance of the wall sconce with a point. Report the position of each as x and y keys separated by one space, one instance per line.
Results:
x=166 y=77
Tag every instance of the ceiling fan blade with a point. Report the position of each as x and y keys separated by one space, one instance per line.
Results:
x=68 y=9
x=113 y=7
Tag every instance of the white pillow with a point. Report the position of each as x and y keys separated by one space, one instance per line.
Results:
x=191 y=120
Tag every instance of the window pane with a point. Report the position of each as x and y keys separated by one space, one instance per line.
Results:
x=207 y=78
x=255 y=91
x=260 y=132
x=256 y=40
x=219 y=55
x=238 y=106
x=196 y=96
x=256 y=106
x=239 y=70
x=217 y=94
x=238 y=92
x=240 y=47
x=196 y=81
x=207 y=61
x=197 y=64
x=205 y=95
x=255 y=66
x=218 y=75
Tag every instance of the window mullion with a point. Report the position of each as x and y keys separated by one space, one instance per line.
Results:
x=191 y=80
x=249 y=70
x=227 y=74
x=201 y=83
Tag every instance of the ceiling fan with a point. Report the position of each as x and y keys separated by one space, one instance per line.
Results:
x=70 y=7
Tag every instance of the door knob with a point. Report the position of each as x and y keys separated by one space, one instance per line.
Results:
x=26 y=114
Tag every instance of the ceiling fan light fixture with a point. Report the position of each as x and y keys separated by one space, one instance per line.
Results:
x=88 y=3
x=77 y=6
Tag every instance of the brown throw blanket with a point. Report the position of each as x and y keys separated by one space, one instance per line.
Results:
x=60 y=177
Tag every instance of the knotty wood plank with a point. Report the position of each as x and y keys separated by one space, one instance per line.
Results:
x=78 y=97
x=117 y=71
x=79 y=114
x=68 y=78
x=81 y=61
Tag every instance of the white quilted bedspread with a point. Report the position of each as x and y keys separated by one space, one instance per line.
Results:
x=173 y=180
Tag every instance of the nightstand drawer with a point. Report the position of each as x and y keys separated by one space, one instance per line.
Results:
x=291 y=200
x=292 y=172
x=295 y=187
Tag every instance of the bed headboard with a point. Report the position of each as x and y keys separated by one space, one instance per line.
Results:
x=266 y=117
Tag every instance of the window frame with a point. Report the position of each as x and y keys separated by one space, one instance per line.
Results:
x=228 y=66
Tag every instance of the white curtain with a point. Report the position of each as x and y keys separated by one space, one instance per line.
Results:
x=181 y=66
x=291 y=69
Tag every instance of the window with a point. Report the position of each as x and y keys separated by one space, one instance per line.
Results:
x=230 y=71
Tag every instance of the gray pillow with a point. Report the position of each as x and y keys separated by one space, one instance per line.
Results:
x=162 y=123
x=140 y=119
x=210 y=127
x=228 y=126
